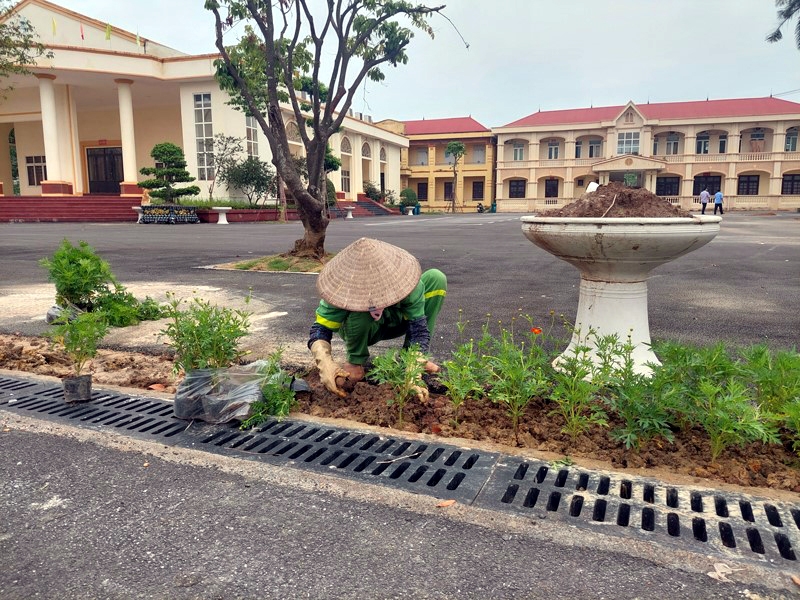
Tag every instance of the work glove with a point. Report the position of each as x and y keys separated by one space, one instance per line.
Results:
x=328 y=369
x=421 y=388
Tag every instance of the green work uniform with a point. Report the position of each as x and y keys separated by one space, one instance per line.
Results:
x=359 y=330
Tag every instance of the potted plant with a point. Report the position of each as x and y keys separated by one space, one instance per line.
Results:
x=79 y=336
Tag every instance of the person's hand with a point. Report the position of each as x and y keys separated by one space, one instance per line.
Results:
x=431 y=367
x=328 y=369
x=421 y=391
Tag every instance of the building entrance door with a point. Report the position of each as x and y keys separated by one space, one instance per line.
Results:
x=105 y=169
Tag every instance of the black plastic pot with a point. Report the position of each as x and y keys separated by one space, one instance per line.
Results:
x=78 y=388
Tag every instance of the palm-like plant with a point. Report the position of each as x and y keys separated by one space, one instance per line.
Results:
x=787 y=10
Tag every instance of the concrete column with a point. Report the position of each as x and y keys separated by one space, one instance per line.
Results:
x=47 y=99
x=129 y=170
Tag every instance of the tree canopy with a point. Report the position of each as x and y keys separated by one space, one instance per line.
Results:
x=309 y=57
x=19 y=46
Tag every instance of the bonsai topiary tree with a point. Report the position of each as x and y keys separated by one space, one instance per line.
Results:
x=170 y=169
x=331 y=193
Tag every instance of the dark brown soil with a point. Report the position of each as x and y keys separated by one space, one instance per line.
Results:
x=616 y=200
x=774 y=467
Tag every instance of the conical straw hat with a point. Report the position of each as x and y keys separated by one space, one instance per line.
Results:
x=368 y=274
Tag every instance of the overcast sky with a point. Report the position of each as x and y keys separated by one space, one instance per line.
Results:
x=530 y=55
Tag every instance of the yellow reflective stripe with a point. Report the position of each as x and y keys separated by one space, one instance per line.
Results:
x=433 y=293
x=333 y=325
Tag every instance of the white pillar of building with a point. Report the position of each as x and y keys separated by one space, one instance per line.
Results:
x=128 y=185
x=47 y=99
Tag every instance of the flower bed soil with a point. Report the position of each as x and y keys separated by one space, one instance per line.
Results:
x=757 y=465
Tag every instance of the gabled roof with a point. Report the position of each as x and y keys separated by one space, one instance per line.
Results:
x=701 y=109
x=437 y=126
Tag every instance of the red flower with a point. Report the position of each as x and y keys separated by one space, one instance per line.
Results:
x=535 y=330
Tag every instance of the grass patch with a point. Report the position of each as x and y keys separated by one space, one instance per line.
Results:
x=281 y=263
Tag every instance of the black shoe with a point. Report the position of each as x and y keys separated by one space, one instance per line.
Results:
x=435 y=385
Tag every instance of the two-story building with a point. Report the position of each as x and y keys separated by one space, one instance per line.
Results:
x=86 y=120
x=748 y=148
x=427 y=168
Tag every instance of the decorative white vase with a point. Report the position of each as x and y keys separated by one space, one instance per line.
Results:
x=615 y=257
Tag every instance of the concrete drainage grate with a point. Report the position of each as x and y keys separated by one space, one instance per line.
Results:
x=682 y=517
x=620 y=505
x=434 y=469
x=139 y=417
x=11 y=389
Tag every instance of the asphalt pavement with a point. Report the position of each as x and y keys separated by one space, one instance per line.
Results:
x=91 y=514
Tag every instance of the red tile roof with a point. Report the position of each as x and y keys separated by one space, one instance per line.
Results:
x=454 y=125
x=701 y=109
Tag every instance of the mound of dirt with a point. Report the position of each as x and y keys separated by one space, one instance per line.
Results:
x=617 y=200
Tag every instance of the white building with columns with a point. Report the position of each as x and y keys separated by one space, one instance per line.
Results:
x=86 y=120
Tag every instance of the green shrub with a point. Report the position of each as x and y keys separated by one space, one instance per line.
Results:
x=170 y=169
x=408 y=197
x=205 y=336
x=79 y=274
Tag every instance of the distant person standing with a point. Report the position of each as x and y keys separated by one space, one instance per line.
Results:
x=718 y=203
x=704 y=198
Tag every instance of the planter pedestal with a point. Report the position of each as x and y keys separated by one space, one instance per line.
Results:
x=77 y=389
x=615 y=257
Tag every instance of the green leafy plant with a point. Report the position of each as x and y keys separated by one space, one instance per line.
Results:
x=79 y=274
x=728 y=416
x=278 y=397
x=575 y=393
x=516 y=376
x=251 y=176
x=79 y=336
x=460 y=376
x=84 y=282
x=402 y=370
x=205 y=336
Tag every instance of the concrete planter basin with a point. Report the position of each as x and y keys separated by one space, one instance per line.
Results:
x=615 y=257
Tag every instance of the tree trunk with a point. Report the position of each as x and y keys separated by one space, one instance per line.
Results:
x=312 y=245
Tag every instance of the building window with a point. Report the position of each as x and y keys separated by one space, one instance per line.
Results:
x=37 y=169
x=594 y=149
x=477 y=190
x=516 y=188
x=345 y=180
x=629 y=117
x=655 y=146
x=552 y=150
x=701 y=146
x=748 y=185
x=251 y=128
x=579 y=182
x=382 y=154
x=346 y=149
x=366 y=151
x=204 y=136
x=448 y=190
x=478 y=155
x=668 y=186
x=791 y=185
x=723 y=144
x=519 y=151
x=578 y=146
x=672 y=144
x=757 y=141
x=448 y=158
x=713 y=183
x=422 y=157
x=551 y=188
x=422 y=191
x=791 y=141
x=628 y=142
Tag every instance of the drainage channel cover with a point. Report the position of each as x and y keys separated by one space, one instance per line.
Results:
x=439 y=470
x=140 y=417
x=690 y=518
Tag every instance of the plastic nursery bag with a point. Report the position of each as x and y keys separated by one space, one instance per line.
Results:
x=221 y=395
